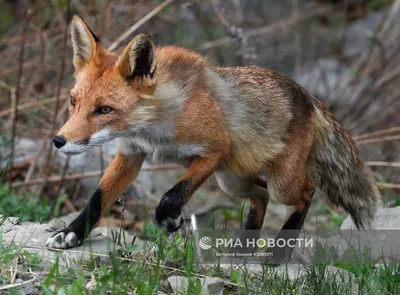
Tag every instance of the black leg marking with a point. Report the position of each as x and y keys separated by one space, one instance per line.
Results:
x=80 y=228
x=290 y=230
x=168 y=212
x=84 y=223
x=295 y=220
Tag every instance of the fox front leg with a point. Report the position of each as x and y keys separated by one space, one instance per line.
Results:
x=122 y=170
x=168 y=212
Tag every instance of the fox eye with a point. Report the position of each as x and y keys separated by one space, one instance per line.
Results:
x=105 y=110
x=72 y=100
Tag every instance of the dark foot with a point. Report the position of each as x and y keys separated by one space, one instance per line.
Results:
x=170 y=224
x=168 y=213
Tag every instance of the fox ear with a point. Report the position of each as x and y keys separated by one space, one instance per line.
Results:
x=84 y=43
x=138 y=58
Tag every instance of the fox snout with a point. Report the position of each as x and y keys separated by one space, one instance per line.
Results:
x=70 y=145
x=59 y=141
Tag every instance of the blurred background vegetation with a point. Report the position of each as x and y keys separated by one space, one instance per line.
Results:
x=346 y=53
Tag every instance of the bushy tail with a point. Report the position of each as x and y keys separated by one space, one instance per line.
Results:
x=340 y=173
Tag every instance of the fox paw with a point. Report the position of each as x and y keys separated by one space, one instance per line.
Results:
x=169 y=224
x=63 y=240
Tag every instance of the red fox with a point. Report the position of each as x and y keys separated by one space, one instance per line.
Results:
x=168 y=104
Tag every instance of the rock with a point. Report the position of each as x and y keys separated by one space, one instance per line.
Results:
x=9 y=222
x=57 y=224
x=32 y=237
x=386 y=219
x=210 y=285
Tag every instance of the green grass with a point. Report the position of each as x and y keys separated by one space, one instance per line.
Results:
x=146 y=272
x=25 y=206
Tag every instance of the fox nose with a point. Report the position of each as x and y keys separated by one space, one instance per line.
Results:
x=59 y=141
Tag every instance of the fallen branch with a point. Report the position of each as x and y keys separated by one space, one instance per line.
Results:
x=57 y=178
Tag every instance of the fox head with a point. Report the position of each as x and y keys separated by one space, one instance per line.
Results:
x=110 y=91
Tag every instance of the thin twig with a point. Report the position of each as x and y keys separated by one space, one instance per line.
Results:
x=382 y=164
x=138 y=24
x=379 y=139
x=148 y=194
x=18 y=86
x=29 y=174
x=106 y=17
x=219 y=14
x=6 y=287
x=388 y=185
x=276 y=26
x=63 y=174
x=375 y=133
x=30 y=105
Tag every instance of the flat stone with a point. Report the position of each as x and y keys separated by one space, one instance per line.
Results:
x=9 y=222
x=32 y=237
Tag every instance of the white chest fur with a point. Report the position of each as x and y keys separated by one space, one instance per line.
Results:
x=159 y=147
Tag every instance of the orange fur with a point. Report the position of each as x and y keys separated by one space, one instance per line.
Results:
x=170 y=104
x=117 y=177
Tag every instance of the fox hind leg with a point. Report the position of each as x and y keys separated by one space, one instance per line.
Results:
x=292 y=227
x=288 y=183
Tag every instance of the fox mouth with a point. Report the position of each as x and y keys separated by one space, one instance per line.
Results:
x=71 y=149
x=97 y=139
